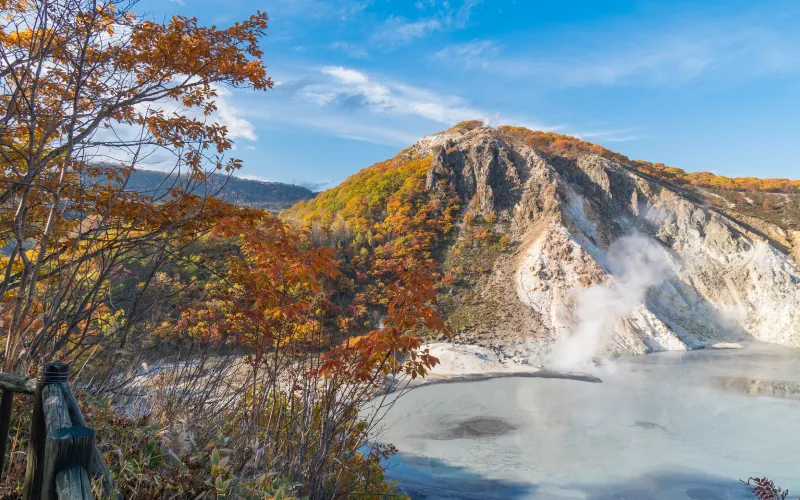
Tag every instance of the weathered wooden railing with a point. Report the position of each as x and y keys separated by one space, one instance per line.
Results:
x=62 y=456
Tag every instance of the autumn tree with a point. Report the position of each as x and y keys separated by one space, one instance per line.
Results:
x=307 y=378
x=95 y=269
x=90 y=92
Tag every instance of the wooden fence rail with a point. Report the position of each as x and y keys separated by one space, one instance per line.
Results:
x=62 y=456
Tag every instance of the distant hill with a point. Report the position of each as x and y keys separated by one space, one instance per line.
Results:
x=273 y=196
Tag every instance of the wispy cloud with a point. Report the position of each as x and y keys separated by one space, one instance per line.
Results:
x=353 y=51
x=474 y=53
x=353 y=128
x=399 y=30
x=353 y=104
x=317 y=9
x=601 y=136
x=676 y=55
x=624 y=138
x=316 y=186
x=258 y=178
x=355 y=87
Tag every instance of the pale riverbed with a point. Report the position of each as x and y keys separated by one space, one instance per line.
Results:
x=670 y=426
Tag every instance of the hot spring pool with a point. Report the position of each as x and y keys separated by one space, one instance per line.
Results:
x=669 y=426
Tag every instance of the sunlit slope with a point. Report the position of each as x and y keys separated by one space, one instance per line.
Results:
x=518 y=221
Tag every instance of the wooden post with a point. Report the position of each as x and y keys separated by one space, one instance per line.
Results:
x=56 y=415
x=97 y=467
x=17 y=383
x=49 y=373
x=6 y=402
x=68 y=447
x=73 y=484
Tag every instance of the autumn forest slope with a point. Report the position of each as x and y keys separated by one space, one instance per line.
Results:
x=517 y=222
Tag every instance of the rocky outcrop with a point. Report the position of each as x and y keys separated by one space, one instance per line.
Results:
x=723 y=279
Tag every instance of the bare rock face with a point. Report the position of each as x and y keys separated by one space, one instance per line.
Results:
x=719 y=279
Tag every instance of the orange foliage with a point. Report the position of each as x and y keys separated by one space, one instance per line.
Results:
x=85 y=95
x=391 y=225
x=272 y=293
x=464 y=126
x=274 y=296
x=554 y=144
x=709 y=180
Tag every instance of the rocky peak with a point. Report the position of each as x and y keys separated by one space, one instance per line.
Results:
x=724 y=280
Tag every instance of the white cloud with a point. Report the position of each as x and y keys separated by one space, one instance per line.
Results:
x=316 y=186
x=653 y=55
x=348 y=103
x=255 y=178
x=641 y=63
x=464 y=13
x=229 y=115
x=354 y=128
x=625 y=138
x=126 y=137
x=398 y=30
x=474 y=53
x=359 y=90
x=599 y=133
x=316 y=9
x=620 y=135
x=345 y=75
x=353 y=51
x=528 y=125
x=671 y=62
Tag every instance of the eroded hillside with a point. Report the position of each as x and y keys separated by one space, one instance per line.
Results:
x=524 y=225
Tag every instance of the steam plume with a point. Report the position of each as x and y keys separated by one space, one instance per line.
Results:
x=635 y=263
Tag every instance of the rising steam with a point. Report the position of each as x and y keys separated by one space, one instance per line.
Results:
x=635 y=263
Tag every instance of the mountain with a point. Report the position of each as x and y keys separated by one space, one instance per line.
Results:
x=561 y=247
x=273 y=196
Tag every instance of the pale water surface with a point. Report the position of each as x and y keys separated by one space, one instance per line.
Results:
x=669 y=426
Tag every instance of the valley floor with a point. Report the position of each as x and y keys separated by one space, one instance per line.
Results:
x=462 y=360
x=667 y=426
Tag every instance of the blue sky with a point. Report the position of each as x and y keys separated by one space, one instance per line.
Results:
x=701 y=85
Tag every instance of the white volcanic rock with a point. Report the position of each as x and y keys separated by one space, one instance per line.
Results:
x=722 y=280
x=457 y=360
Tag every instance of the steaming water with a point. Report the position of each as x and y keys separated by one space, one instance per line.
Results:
x=664 y=427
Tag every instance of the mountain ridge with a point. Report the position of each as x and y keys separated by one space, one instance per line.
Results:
x=534 y=231
x=269 y=195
